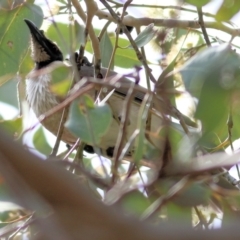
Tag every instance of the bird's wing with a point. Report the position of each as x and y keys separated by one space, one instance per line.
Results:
x=87 y=71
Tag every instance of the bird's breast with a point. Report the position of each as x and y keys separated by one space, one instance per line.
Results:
x=39 y=96
x=41 y=100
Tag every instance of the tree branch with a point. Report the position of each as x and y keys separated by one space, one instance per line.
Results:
x=77 y=213
x=169 y=23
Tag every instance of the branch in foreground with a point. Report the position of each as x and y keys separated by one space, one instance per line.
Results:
x=79 y=215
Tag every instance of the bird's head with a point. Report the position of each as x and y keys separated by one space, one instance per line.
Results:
x=44 y=51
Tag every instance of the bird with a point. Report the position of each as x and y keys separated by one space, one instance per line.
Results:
x=41 y=99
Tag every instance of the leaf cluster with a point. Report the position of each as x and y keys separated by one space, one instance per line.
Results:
x=186 y=177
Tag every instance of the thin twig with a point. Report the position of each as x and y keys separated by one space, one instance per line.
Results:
x=100 y=182
x=201 y=218
x=94 y=39
x=157 y=204
x=135 y=47
x=144 y=56
x=117 y=4
x=122 y=132
x=59 y=132
x=201 y=23
x=72 y=149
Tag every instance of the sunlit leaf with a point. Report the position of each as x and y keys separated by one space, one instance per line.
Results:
x=61 y=80
x=90 y=124
x=227 y=10
x=198 y=3
x=14 y=35
x=61 y=88
x=88 y=101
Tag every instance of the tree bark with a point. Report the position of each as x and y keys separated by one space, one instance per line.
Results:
x=46 y=187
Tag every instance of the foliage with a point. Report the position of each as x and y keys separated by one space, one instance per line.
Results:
x=187 y=172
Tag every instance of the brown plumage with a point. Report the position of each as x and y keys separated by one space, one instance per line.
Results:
x=41 y=99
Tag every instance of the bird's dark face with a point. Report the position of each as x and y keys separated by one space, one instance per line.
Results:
x=44 y=51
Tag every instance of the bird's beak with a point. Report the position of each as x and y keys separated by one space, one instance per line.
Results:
x=35 y=32
x=40 y=43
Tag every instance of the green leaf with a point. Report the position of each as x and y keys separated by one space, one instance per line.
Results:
x=5 y=89
x=194 y=195
x=61 y=36
x=61 y=88
x=90 y=124
x=14 y=126
x=134 y=202
x=210 y=76
x=182 y=216
x=227 y=10
x=62 y=77
x=66 y=36
x=198 y=3
x=89 y=101
x=145 y=36
x=26 y=65
x=40 y=142
x=5 y=78
x=14 y=35
x=106 y=50
x=125 y=58
x=174 y=136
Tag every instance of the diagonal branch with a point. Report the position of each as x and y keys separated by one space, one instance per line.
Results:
x=201 y=23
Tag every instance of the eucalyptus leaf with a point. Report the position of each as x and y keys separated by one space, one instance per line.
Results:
x=61 y=80
x=14 y=126
x=124 y=57
x=89 y=124
x=210 y=76
x=198 y=3
x=145 y=36
x=227 y=10
x=194 y=195
x=134 y=202
x=15 y=35
x=106 y=50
